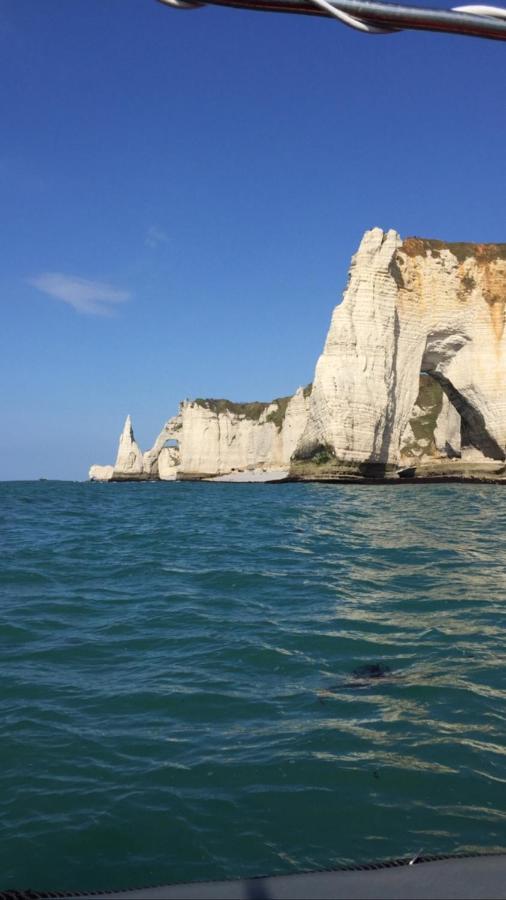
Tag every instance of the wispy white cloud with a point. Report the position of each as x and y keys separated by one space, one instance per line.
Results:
x=155 y=237
x=89 y=297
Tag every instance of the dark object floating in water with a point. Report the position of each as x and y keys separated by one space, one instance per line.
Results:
x=361 y=677
x=372 y=670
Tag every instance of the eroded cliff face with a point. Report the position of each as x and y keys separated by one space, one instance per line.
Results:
x=214 y=437
x=410 y=306
x=413 y=373
x=221 y=437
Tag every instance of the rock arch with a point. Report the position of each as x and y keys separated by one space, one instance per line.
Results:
x=410 y=306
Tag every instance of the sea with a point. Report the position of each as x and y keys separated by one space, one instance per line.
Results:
x=213 y=680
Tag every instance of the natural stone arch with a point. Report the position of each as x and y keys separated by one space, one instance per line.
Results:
x=450 y=359
x=409 y=306
x=434 y=429
x=165 y=453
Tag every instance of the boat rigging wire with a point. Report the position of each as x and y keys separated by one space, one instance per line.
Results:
x=375 y=17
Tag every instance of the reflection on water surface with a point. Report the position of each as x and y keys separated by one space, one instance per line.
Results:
x=178 y=694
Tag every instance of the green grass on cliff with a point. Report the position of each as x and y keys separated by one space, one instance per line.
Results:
x=277 y=416
x=252 y=410
x=482 y=253
x=249 y=410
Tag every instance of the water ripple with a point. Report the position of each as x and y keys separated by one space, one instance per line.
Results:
x=178 y=694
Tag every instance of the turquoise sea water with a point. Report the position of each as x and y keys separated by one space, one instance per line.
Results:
x=177 y=693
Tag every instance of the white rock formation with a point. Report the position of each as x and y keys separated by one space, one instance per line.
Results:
x=219 y=437
x=169 y=463
x=101 y=473
x=162 y=460
x=447 y=433
x=410 y=306
x=214 y=438
x=129 y=460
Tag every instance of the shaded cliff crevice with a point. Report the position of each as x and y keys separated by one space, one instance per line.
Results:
x=391 y=410
x=476 y=432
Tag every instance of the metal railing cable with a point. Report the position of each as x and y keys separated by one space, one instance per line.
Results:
x=375 y=17
x=361 y=25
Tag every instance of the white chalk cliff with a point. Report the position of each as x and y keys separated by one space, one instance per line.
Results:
x=214 y=437
x=413 y=373
x=410 y=306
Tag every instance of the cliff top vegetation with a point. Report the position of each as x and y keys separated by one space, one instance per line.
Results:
x=483 y=253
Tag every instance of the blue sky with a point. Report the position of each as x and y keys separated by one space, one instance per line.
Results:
x=181 y=193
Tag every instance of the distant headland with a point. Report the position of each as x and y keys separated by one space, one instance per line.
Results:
x=411 y=383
